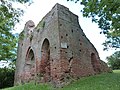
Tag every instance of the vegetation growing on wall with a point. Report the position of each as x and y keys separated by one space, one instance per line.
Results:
x=40 y=26
x=21 y=36
x=31 y=37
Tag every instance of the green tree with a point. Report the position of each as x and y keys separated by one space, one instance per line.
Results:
x=106 y=13
x=9 y=16
x=6 y=77
x=114 y=60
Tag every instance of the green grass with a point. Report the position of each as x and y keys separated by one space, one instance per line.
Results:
x=31 y=86
x=106 y=81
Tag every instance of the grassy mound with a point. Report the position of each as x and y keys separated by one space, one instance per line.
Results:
x=31 y=86
x=107 y=81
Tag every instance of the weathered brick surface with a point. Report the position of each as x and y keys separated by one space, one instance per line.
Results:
x=56 y=50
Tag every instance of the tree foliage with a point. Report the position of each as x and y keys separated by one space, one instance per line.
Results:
x=114 y=60
x=9 y=16
x=106 y=13
x=6 y=77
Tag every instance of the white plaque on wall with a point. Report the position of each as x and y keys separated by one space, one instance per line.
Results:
x=63 y=45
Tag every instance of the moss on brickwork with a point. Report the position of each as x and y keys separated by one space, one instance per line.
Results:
x=31 y=37
x=21 y=36
x=40 y=26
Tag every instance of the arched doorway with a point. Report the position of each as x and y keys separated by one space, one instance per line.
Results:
x=30 y=60
x=95 y=63
x=45 y=61
x=31 y=57
x=29 y=67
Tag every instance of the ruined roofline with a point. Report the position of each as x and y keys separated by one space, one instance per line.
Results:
x=57 y=5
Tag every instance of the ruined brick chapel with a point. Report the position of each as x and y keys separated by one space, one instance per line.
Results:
x=56 y=50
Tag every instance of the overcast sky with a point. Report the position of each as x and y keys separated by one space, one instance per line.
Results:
x=40 y=8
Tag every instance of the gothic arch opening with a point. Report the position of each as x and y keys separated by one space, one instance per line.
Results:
x=94 y=63
x=30 y=60
x=45 y=60
x=31 y=57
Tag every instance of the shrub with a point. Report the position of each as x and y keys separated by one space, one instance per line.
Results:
x=6 y=77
